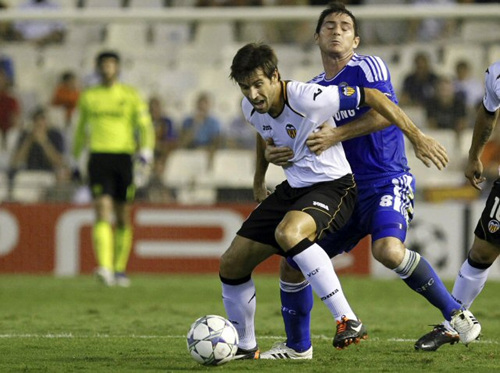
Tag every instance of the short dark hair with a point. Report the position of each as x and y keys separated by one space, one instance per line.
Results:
x=336 y=7
x=107 y=54
x=251 y=57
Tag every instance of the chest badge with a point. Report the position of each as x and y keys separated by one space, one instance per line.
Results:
x=291 y=130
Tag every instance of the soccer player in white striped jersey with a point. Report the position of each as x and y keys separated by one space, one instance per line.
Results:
x=486 y=246
x=375 y=149
x=316 y=198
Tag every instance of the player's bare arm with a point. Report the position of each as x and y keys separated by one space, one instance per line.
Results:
x=427 y=149
x=485 y=123
x=260 y=191
x=328 y=136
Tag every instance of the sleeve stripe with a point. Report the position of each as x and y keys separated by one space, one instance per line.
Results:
x=374 y=69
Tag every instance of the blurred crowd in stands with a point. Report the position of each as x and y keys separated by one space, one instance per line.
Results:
x=35 y=132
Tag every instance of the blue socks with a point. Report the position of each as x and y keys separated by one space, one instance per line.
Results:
x=296 y=306
x=421 y=277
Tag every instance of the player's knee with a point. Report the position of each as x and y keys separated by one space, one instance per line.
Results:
x=388 y=254
x=287 y=235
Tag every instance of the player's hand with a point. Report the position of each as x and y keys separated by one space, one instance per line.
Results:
x=473 y=172
x=279 y=156
x=145 y=157
x=429 y=151
x=322 y=138
x=143 y=168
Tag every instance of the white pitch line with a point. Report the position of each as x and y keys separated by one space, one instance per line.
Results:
x=135 y=336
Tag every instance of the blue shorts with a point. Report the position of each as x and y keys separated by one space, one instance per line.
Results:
x=384 y=209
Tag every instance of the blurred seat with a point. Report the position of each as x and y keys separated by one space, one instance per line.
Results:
x=451 y=176
x=232 y=169
x=64 y=57
x=102 y=3
x=170 y=34
x=30 y=186
x=482 y=31
x=185 y=167
x=417 y=114
x=493 y=55
x=185 y=173
x=127 y=36
x=208 y=41
x=473 y=54
x=66 y=4
x=146 y=3
x=80 y=35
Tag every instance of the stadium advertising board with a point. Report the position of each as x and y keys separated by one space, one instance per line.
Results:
x=56 y=238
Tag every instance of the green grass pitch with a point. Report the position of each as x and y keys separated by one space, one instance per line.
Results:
x=52 y=324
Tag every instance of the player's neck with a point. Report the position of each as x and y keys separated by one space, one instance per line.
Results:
x=334 y=63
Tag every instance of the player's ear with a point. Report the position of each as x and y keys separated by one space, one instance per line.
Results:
x=276 y=75
x=356 y=42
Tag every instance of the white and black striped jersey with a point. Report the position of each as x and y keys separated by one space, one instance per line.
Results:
x=307 y=106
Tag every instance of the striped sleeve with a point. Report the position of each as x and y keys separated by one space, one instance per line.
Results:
x=374 y=69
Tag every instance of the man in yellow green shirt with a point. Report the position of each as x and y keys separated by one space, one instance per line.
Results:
x=115 y=125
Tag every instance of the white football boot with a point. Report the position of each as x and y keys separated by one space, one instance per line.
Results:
x=281 y=351
x=466 y=325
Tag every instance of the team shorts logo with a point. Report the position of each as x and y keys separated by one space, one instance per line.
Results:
x=322 y=205
x=493 y=226
x=348 y=91
x=291 y=130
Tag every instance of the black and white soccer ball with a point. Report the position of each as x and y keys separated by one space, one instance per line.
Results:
x=212 y=340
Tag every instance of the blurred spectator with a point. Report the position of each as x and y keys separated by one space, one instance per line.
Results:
x=165 y=135
x=431 y=29
x=10 y=111
x=470 y=88
x=240 y=134
x=202 y=130
x=420 y=84
x=447 y=109
x=66 y=95
x=39 y=32
x=6 y=28
x=7 y=65
x=383 y=31
x=40 y=147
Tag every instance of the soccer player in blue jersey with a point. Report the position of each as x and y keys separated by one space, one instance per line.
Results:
x=486 y=246
x=385 y=198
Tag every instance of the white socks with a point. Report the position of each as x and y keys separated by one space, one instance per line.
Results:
x=317 y=268
x=469 y=283
x=240 y=304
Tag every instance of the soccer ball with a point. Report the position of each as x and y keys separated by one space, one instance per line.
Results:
x=212 y=340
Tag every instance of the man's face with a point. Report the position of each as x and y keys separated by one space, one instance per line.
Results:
x=108 y=68
x=262 y=92
x=337 y=35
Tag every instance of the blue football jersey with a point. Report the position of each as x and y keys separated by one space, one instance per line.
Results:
x=381 y=153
